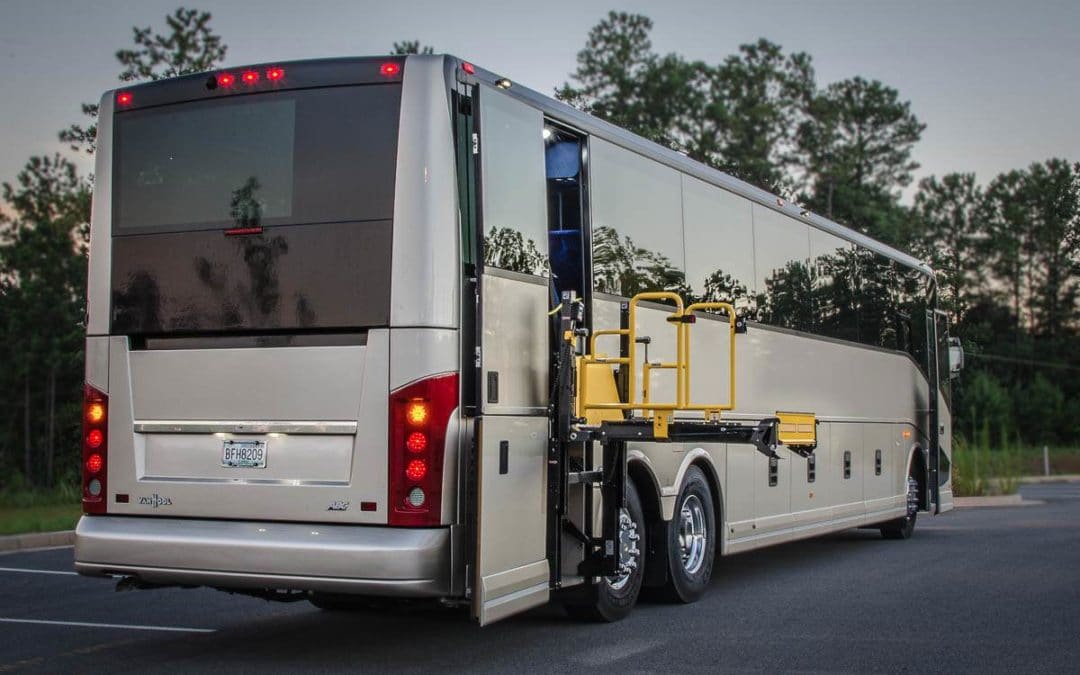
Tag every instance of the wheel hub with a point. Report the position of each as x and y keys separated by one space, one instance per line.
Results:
x=912 y=497
x=693 y=534
x=629 y=553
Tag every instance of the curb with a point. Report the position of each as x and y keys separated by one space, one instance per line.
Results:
x=997 y=500
x=1063 y=478
x=21 y=542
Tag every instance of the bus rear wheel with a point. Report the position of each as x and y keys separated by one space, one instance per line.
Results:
x=611 y=598
x=691 y=542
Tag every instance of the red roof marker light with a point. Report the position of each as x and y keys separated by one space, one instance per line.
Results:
x=468 y=67
x=124 y=98
x=275 y=74
x=250 y=77
x=226 y=80
x=389 y=69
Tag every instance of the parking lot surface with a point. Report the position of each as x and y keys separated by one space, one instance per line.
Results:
x=976 y=590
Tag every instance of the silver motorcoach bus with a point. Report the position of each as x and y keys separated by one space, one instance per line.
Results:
x=400 y=327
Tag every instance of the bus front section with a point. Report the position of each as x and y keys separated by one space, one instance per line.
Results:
x=272 y=348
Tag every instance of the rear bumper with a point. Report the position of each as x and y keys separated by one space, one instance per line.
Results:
x=365 y=560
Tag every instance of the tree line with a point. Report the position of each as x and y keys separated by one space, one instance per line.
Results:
x=1007 y=251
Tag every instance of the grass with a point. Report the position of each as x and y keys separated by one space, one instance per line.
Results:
x=24 y=510
x=979 y=469
x=1063 y=460
x=50 y=518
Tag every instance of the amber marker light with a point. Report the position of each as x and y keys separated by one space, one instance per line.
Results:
x=95 y=412
x=417 y=413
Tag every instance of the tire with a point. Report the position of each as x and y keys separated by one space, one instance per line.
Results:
x=612 y=598
x=903 y=528
x=691 y=545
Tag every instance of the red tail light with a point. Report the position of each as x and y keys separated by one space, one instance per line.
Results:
x=419 y=416
x=95 y=450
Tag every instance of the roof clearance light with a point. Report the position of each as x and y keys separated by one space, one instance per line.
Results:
x=226 y=80
x=468 y=67
x=250 y=77
x=275 y=74
x=124 y=98
x=389 y=69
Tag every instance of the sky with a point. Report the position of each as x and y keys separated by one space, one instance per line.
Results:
x=996 y=83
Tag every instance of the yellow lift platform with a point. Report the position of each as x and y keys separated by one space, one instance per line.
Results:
x=594 y=403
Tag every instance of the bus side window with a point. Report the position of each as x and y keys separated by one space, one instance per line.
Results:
x=565 y=196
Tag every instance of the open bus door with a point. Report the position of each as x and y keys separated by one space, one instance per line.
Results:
x=937 y=343
x=510 y=570
x=943 y=422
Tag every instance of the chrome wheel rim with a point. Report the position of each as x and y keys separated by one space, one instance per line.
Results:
x=628 y=551
x=693 y=534
x=912 y=497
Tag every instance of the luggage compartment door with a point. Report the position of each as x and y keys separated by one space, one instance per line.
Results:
x=511 y=556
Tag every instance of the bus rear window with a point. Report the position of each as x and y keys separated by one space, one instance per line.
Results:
x=282 y=158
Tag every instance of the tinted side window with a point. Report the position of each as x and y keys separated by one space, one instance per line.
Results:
x=833 y=272
x=877 y=300
x=912 y=305
x=782 y=263
x=637 y=232
x=719 y=245
x=513 y=183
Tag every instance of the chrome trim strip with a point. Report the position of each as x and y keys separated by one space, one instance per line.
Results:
x=516 y=410
x=247 y=427
x=245 y=481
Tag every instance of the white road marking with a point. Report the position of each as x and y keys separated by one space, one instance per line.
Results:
x=84 y=624
x=30 y=571
x=16 y=551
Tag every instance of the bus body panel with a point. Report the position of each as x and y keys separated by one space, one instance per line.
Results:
x=779 y=370
x=426 y=260
x=99 y=265
x=171 y=411
x=515 y=344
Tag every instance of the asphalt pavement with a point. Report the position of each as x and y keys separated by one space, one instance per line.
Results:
x=977 y=590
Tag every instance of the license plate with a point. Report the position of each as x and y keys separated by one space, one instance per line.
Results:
x=244 y=454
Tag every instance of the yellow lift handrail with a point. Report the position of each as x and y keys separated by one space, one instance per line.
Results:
x=681 y=365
